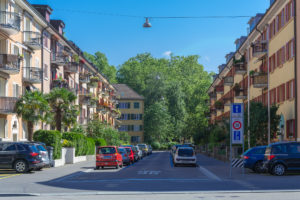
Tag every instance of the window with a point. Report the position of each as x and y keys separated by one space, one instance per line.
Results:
x=272 y=96
x=45 y=70
x=2 y=127
x=16 y=90
x=135 y=139
x=290 y=89
x=136 y=105
x=136 y=128
x=281 y=93
x=124 y=105
x=290 y=128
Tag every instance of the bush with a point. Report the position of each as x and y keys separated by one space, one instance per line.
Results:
x=50 y=138
x=79 y=141
x=100 y=142
x=155 y=145
x=67 y=143
x=90 y=146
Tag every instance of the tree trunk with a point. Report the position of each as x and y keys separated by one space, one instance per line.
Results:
x=58 y=120
x=30 y=130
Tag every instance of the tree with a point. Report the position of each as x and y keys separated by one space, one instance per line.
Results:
x=101 y=62
x=259 y=123
x=61 y=102
x=33 y=107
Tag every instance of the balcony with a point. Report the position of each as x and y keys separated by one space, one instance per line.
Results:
x=219 y=105
x=7 y=105
x=71 y=67
x=9 y=63
x=260 y=80
x=32 y=39
x=241 y=94
x=32 y=75
x=59 y=84
x=240 y=68
x=85 y=98
x=220 y=89
x=10 y=22
x=59 y=59
x=213 y=96
x=228 y=81
x=84 y=78
x=260 y=48
x=228 y=101
x=83 y=120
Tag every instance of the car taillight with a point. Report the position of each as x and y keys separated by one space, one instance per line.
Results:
x=270 y=157
x=34 y=154
x=125 y=155
x=246 y=157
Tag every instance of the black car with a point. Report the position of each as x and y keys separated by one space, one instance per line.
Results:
x=282 y=157
x=19 y=156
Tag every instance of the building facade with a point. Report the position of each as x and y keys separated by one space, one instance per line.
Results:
x=34 y=55
x=131 y=106
x=265 y=62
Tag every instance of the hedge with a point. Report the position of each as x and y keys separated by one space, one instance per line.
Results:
x=50 y=138
x=100 y=142
x=83 y=145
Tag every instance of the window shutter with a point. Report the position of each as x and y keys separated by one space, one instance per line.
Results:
x=294 y=128
x=283 y=92
x=287 y=128
x=288 y=90
x=278 y=94
x=14 y=90
x=6 y=129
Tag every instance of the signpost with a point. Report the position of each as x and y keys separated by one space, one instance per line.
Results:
x=236 y=128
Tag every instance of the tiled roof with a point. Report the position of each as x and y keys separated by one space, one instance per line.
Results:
x=125 y=92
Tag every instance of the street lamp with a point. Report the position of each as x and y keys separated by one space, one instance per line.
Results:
x=147 y=23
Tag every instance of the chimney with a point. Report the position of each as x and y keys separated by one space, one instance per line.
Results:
x=59 y=25
x=45 y=10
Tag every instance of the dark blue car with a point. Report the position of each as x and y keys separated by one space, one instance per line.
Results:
x=253 y=158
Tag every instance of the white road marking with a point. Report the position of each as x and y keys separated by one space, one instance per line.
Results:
x=209 y=174
x=146 y=172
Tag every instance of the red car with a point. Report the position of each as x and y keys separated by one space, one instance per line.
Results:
x=108 y=157
x=130 y=154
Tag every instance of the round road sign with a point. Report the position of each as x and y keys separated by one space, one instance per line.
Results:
x=237 y=125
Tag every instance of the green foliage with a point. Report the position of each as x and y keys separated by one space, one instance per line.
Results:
x=100 y=142
x=176 y=88
x=33 y=107
x=67 y=143
x=259 y=123
x=50 y=138
x=61 y=102
x=101 y=62
x=79 y=141
x=155 y=145
x=90 y=146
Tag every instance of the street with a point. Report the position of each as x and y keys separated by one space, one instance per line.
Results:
x=153 y=174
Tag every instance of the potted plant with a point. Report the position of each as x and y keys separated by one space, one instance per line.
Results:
x=236 y=87
x=219 y=105
x=252 y=73
x=75 y=58
x=94 y=79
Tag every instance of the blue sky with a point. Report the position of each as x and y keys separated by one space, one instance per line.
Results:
x=123 y=37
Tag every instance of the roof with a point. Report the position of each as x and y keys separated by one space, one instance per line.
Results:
x=123 y=92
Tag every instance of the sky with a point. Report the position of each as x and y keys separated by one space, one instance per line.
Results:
x=121 y=37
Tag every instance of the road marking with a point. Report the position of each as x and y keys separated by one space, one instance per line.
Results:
x=209 y=174
x=3 y=176
x=147 y=172
x=136 y=179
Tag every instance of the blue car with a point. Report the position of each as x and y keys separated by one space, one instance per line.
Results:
x=253 y=158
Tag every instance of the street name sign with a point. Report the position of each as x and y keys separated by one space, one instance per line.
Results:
x=237 y=123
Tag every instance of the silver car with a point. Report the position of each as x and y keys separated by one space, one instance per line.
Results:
x=41 y=147
x=123 y=152
x=140 y=152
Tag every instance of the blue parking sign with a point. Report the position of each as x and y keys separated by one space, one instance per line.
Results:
x=237 y=108
x=237 y=135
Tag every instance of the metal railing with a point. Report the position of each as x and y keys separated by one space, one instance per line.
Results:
x=59 y=58
x=229 y=81
x=32 y=74
x=9 y=63
x=71 y=67
x=8 y=104
x=10 y=20
x=260 y=80
x=259 y=48
x=32 y=39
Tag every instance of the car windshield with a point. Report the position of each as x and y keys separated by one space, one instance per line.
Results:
x=122 y=150
x=41 y=148
x=128 y=150
x=107 y=150
x=142 y=146
x=185 y=152
x=34 y=149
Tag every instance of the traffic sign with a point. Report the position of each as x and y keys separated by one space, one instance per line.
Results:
x=237 y=123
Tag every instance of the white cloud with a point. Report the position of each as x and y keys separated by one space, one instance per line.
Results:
x=167 y=53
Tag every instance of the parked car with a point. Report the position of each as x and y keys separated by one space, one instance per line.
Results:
x=21 y=157
x=130 y=154
x=41 y=147
x=185 y=156
x=125 y=157
x=282 y=157
x=189 y=145
x=135 y=151
x=144 y=149
x=254 y=157
x=108 y=156
x=149 y=149
x=140 y=152
x=174 y=148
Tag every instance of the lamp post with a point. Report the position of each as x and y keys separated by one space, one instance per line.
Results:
x=248 y=74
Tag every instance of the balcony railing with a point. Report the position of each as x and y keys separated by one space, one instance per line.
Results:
x=10 y=22
x=59 y=59
x=229 y=81
x=260 y=48
x=240 y=68
x=9 y=64
x=71 y=67
x=220 y=89
x=241 y=94
x=32 y=39
x=228 y=101
x=260 y=80
x=7 y=105
x=84 y=78
x=32 y=74
x=59 y=84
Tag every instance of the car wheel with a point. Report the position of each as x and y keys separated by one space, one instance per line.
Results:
x=258 y=167
x=278 y=170
x=39 y=169
x=118 y=166
x=21 y=166
x=97 y=167
x=102 y=167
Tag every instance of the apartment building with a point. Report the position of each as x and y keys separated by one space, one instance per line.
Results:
x=131 y=105
x=270 y=44
x=34 y=55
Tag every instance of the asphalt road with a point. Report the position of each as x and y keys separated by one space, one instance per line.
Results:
x=154 y=174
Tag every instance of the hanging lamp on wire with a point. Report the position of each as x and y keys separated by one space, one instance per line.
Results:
x=147 y=23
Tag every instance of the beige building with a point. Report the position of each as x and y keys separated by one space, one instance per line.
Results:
x=131 y=105
x=34 y=55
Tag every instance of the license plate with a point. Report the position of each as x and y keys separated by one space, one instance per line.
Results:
x=107 y=157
